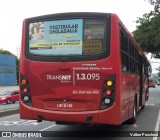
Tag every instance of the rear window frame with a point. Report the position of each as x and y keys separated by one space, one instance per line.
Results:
x=68 y=58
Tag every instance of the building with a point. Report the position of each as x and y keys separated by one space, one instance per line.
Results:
x=8 y=70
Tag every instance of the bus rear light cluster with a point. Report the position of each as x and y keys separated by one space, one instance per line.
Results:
x=107 y=101
x=108 y=92
x=25 y=91
x=26 y=98
x=109 y=83
x=23 y=81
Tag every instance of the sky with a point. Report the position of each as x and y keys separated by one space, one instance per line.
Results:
x=13 y=12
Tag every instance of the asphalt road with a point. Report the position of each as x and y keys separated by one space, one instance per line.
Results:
x=147 y=120
x=9 y=106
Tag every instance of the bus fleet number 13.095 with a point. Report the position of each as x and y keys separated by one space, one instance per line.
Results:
x=88 y=76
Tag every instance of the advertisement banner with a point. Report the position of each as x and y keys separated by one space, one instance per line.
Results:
x=60 y=37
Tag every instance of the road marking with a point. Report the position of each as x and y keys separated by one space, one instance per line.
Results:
x=47 y=127
x=157 y=125
x=9 y=117
x=151 y=97
x=19 y=123
x=135 y=125
x=150 y=104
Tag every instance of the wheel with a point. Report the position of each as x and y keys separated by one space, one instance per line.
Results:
x=133 y=119
x=8 y=101
x=143 y=106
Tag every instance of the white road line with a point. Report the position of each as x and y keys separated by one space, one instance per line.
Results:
x=135 y=125
x=47 y=127
x=157 y=125
x=9 y=117
x=150 y=104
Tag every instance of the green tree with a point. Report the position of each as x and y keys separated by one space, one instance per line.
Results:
x=5 y=52
x=17 y=60
x=148 y=30
x=156 y=4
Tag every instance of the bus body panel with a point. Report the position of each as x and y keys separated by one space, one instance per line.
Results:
x=25 y=111
x=125 y=92
x=107 y=116
x=72 y=91
x=62 y=89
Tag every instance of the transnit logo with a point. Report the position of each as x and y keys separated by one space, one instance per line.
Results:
x=58 y=77
x=61 y=78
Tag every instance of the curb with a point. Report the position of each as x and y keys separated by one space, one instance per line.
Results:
x=9 y=112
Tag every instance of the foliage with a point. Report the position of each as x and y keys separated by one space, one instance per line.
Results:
x=148 y=30
x=156 y=4
x=158 y=74
x=5 y=52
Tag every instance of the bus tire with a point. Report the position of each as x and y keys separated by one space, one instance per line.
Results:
x=133 y=119
x=143 y=107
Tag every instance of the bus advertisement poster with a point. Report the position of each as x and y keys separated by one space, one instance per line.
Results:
x=54 y=37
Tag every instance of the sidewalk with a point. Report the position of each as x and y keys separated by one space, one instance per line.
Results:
x=4 y=88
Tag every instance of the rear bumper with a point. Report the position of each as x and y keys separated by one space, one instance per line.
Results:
x=107 y=116
x=151 y=85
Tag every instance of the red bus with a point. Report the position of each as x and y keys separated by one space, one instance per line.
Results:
x=81 y=68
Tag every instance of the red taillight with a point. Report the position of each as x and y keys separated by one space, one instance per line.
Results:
x=108 y=92
x=25 y=90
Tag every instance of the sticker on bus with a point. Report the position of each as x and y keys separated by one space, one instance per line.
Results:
x=86 y=92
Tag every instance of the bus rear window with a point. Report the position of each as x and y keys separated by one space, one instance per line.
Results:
x=67 y=37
